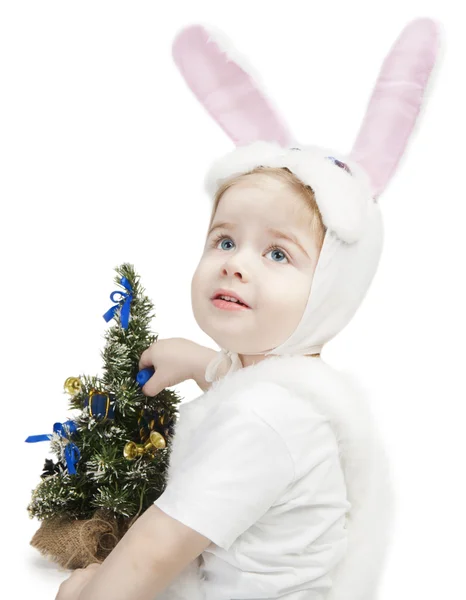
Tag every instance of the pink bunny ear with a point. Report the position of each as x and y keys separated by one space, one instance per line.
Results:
x=396 y=101
x=226 y=90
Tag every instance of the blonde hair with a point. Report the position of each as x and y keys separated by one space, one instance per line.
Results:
x=283 y=174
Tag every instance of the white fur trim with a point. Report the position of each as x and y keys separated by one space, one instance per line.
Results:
x=230 y=50
x=343 y=199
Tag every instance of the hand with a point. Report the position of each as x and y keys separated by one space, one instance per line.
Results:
x=71 y=588
x=175 y=360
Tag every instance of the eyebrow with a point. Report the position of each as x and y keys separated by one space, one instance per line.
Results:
x=275 y=232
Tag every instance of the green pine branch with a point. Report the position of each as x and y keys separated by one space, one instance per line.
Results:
x=105 y=478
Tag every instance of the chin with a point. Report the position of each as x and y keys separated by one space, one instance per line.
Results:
x=227 y=331
x=236 y=341
x=233 y=341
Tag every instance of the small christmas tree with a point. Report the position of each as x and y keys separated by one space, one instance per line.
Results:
x=112 y=458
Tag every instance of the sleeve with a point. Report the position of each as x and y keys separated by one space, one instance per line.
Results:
x=234 y=470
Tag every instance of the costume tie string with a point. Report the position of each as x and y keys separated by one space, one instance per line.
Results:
x=232 y=359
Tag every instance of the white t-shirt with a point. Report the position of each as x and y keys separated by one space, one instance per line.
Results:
x=260 y=476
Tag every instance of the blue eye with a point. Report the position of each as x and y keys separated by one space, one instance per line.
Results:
x=222 y=244
x=222 y=237
x=276 y=249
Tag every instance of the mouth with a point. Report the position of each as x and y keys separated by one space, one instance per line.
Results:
x=228 y=301
x=228 y=305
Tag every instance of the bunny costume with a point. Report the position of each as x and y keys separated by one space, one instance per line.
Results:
x=280 y=464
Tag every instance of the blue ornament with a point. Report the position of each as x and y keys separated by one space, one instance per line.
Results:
x=144 y=375
x=101 y=405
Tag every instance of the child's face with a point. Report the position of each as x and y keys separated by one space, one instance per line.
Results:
x=275 y=283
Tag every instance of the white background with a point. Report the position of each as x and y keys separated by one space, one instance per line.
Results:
x=103 y=155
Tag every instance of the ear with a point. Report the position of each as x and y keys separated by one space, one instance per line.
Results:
x=210 y=65
x=396 y=100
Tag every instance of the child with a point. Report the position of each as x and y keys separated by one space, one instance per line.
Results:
x=278 y=485
x=255 y=465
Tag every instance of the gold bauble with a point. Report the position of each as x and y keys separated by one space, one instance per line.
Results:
x=157 y=439
x=72 y=386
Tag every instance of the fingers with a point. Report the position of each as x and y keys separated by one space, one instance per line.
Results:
x=153 y=386
x=145 y=359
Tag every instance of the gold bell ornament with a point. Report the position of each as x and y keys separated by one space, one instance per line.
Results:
x=72 y=386
x=156 y=441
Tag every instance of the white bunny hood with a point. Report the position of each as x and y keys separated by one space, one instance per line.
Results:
x=352 y=244
x=344 y=198
x=346 y=187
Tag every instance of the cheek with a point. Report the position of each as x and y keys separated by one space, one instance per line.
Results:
x=303 y=291
x=290 y=295
x=195 y=281
x=200 y=279
x=196 y=294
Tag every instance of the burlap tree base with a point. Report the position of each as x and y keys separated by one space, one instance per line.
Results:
x=75 y=544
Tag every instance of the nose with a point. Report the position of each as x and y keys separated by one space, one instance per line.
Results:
x=234 y=266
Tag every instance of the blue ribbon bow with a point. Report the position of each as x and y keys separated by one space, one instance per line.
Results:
x=124 y=314
x=65 y=430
